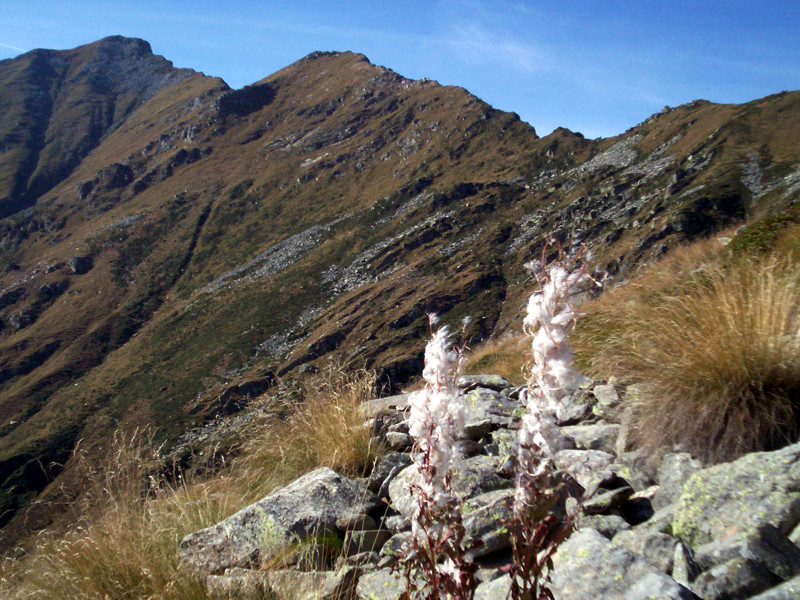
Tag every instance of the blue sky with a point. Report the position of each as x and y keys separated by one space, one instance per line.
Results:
x=597 y=67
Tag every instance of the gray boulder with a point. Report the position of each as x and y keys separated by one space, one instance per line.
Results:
x=494 y=589
x=607 y=405
x=381 y=407
x=588 y=567
x=789 y=590
x=684 y=567
x=590 y=468
x=574 y=407
x=661 y=521
x=365 y=540
x=638 y=469
x=394 y=548
x=310 y=506
x=80 y=264
x=607 y=525
x=675 y=469
x=482 y=405
x=734 y=580
x=387 y=467
x=490 y=382
x=655 y=587
x=399 y=441
x=766 y=546
x=658 y=549
x=475 y=476
x=485 y=517
x=605 y=501
x=600 y=436
x=380 y=585
x=759 y=488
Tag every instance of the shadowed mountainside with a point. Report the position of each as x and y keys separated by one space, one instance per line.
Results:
x=55 y=106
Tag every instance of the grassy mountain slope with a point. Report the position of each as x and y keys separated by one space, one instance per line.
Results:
x=234 y=235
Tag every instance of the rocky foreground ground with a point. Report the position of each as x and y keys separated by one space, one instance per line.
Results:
x=660 y=526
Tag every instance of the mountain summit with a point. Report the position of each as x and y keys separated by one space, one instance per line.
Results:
x=171 y=246
x=57 y=105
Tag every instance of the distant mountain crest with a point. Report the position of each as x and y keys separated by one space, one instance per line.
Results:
x=58 y=104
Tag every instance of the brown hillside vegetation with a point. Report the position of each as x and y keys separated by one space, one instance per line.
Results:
x=319 y=214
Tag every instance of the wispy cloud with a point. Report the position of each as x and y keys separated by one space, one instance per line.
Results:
x=12 y=47
x=476 y=43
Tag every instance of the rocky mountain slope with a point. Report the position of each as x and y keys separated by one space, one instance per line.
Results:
x=648 y=527
x=170 y=246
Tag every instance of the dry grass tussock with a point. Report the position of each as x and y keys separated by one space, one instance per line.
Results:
x=125 y=542
x=713 y=346
x=322 y=427
x=131 y=519
x=507 y=357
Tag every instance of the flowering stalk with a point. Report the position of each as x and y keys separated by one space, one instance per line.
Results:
x=540 y=521
x=436 y=552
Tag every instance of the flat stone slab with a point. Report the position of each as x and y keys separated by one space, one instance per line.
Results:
x=307 y=507
x=759 y=488
x=789 y=590
x=475 y=476
x=588 y=567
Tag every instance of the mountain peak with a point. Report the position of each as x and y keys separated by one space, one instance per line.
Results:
x=58 y=104
x=135 y=47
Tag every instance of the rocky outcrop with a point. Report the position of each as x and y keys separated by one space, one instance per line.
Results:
x=311 y=506
x=588 y=566
x=244 y=101
x=728 y=531
x=80 y=265
x=760 y=488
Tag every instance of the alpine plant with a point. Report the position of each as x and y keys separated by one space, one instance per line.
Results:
x=436 y=564
x=540 y=520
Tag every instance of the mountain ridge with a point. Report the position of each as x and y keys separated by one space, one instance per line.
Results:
x=319 y=214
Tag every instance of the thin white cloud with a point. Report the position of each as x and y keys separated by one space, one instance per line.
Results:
x=479 y=44
x=12 y=47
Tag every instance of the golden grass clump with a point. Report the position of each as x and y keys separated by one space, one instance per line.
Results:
x=506 y=357
x=323 y=427
x=714 y=351
x=132 y=517
x=124 y=544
